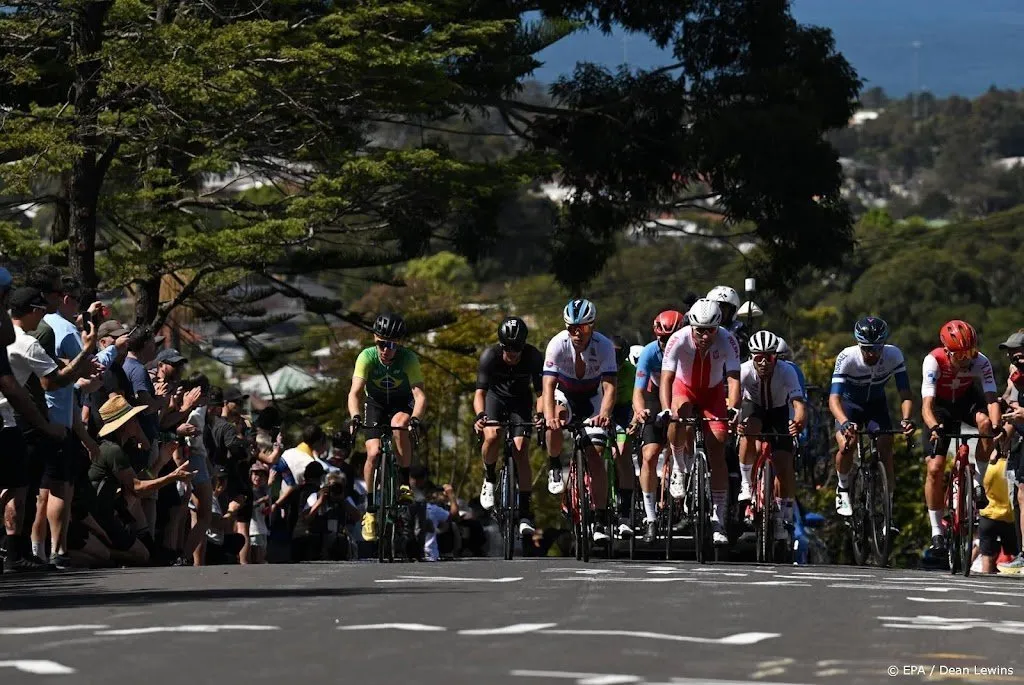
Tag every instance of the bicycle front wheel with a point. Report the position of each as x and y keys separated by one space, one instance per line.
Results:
x=586 y=516
x=701 y=508
x=386 y=487
x=967 y=523
x=881 y=515
x=860 y=496
x=509 y=505
x=765 y=496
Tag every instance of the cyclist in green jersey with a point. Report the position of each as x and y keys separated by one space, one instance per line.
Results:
x=622 y=415
x=388 y=384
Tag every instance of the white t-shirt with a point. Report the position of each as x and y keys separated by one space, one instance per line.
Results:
x=195 y=443
x=297 y=461
x=27 y=358
x=701 y=371
x=783 y=387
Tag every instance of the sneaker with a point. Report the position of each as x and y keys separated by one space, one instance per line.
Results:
x=370 y=526
x=844 y=507
x=1013 y=568
x=677 y=485
x=61 y=562
x=405 y=495
x=938 y=545
x=526 y=527
x=487 y=495
x=600 y=535
x=746 y=494
x=625 y=530
x=650 y=531
x=719 y=538
x=555 y=483
x=24 y=565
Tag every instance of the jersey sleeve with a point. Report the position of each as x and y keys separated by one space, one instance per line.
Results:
x=644 y=368
x=413 y=370
x=839 y=374
x=362 y=369
x=900 y=371
x=609 y=367
x=747 y=379
x=791 y=383
x=551 y=357
x=986 y=375
x=732 y=354
x=483 y=379
x=670 y=360
x=929 y=376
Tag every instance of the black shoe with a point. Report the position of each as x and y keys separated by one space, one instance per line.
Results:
x=23 y=565
x=651 y=532
x=181 y=561
x=938 y=545
x=61 y=562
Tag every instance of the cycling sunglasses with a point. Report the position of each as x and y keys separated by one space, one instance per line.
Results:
x=386 y=344
x=763 y=358
x=511 y=349
x=873 y=349
x=578 y=328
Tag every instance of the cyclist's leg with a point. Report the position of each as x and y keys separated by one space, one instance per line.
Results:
x=374 y=414
x=554 y=444
x=653 y=442
x=714 y=405
x=496 y=410
x=403 y=443
x=523 y=414
x=934 y=483
x=881 y=415
x=748 y=448
x=844 y=459
x=785 y=473
x=680 y=438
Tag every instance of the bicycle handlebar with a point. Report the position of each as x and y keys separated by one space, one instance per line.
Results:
x=508 y=424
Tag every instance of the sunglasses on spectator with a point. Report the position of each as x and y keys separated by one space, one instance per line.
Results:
x=764 y=358
x=575 y=329
x=386 y=344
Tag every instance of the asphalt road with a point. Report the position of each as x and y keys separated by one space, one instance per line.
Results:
x=530 y=622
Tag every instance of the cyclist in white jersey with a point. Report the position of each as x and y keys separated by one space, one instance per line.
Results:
x=770 y=389
x=580 y=363
x=701 y=360
x=857 y=399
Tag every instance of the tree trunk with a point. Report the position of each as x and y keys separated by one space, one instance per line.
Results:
x=147 y=291
x=86 y=176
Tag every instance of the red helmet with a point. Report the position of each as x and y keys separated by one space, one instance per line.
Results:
x=668 y=322
x=958 y=336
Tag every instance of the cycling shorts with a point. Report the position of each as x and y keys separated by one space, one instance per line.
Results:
x=774 y=420
x=876 y=411
x=711 y=402
x=376 y=413
x=587 y=406
x=951 y=414
x=516 y=410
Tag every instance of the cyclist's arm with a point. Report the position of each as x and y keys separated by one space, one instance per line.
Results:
x=548 y=397
x=906 y=405
x=608 y=398
x=639 y=401
x=419 y=401
x=479 y=401
x=732 y=378
x=665 y=389
x=928 y=411
x=835 y=395
x=355 y=396
x=995 y=410
x=799 y=411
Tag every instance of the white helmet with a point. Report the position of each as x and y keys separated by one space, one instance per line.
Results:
x=783 y=349
x=725 y=295
x=764 y=341
x=634 y=354
x=705 y=314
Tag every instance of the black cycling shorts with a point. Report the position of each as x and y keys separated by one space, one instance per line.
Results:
x=375 y=413
x=775 y=420
x=652 y=435
x=994 y=534
x=58 y=461
x=514 y=409
x=13 y=459
x=951 y=414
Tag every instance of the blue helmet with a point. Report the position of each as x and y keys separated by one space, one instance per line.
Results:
x=579 y=312
x=871 y=331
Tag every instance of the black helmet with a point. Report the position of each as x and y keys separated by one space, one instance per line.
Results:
x=389 y=326
x=871 y=331
x=512 y=333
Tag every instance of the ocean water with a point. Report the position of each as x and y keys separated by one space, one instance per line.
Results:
x=964 y=46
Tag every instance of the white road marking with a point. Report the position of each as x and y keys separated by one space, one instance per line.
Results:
x=616 y=679
x=737 y=639
x=38 y=667
x=951 y=624
x=514 y=629
x=935 y=600
x=185 y=629
x=832 y=671
x=448 y=579
x=416 y=627
x=37 y=630
x=818 y=575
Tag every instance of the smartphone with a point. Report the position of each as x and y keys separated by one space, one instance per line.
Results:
x=86 y=320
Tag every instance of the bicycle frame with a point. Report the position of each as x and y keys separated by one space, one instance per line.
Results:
x=872 y=508
x=508 y=511
x=576 y=498
x=960 y=506
x=763 y=505
x=385 y=489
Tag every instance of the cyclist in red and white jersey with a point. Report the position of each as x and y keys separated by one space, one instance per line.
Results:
x=700 y=361
x=958 y=386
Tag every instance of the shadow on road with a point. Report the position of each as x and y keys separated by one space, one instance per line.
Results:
x=61 y=593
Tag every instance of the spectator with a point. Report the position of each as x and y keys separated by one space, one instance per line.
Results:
x=228 y=448
x=996 y=523
x=223 y=545
x=201 y=497
x=326 y=515
x=442 y=509
x=258 y=530
x=422 y=487
x=109 y=334
x=38 y=372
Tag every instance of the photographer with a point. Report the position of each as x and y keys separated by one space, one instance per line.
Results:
x=327 y=513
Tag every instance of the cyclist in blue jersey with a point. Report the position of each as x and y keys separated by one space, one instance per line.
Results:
x=784 y=354
x=646 y=403
x=857 y=398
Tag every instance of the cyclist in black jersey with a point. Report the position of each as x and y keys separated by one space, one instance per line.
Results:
x=508 y=385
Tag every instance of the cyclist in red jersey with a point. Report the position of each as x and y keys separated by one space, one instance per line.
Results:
x=701 y=369
x=958 y=386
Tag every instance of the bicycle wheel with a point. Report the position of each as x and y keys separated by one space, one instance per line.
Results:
x=880 y=515
x=953 y=510
x=636 y=514
x=572 y=508
x=612 y=506
x=765 y=497
x=509 y=506
x=387 y=507
x=859 y=524
x=967 y=523
x=668 y=516
x=701 y=508
x=583 y=500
